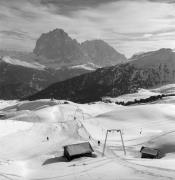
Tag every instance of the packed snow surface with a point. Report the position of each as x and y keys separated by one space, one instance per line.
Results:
x=33 y=133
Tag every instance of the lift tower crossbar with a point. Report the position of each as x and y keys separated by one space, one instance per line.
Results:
x=113 y=130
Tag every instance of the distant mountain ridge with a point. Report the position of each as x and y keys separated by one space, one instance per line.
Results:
x=57 y=48
x=100 y=53
x=144 y=71
x=20 y=79
x=56 y=57
x=152 y=58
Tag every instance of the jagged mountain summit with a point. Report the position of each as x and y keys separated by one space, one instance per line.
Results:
x=144 y=71
x=100 y=53
x=56 y=49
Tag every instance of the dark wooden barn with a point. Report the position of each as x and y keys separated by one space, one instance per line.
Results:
x=149 y=153
x=77 y=150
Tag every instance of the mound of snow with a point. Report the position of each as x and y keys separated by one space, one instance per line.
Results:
x=164 y=142
x=97 y=108
x=51 y=114
x=40 y=139
x=43 y=110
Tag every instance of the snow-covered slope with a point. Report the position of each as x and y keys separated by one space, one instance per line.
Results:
x=141 y=94
x=144 y=93
x=26 y=153
x=18 y=62
x=89 y=66
x=151 y=119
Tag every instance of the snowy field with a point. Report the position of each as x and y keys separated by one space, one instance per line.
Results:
x=144 y=93
x=27 y=154
x=141 y=94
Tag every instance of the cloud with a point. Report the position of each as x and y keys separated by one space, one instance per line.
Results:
x=69 y=6
x=163 y=1
x=16 y=34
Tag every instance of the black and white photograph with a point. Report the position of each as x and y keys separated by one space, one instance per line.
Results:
x=87 y=89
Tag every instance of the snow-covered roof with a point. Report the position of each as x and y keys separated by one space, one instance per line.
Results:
x=78 y=149
x=150 y=151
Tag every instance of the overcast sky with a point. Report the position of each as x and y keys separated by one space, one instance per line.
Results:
x=130 y=26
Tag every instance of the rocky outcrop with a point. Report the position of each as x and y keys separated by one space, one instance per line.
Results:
x=56 y=48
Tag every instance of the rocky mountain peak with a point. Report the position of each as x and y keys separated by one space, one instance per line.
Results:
x=58 y=48
x=102 y=53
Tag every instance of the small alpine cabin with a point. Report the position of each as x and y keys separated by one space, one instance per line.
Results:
x=149 y=153
x=77 y=150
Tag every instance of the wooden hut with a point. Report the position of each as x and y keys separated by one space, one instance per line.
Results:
x=77 y=150
x=149 y=153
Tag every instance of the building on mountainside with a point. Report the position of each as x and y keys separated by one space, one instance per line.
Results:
x=77 y=150
x=2 y=115
x=150 y=153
